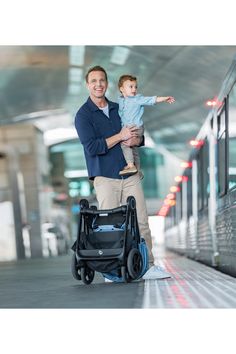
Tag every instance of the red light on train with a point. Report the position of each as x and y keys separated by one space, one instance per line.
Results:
x=181 y=178
x=196 y=143
x=211 y=103
x=170 y=196
x=174 y=189
x=178 y=178
x=169 y=202
x=164 y=210
x=186 y=164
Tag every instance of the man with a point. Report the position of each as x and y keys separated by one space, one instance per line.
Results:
x=99 y=128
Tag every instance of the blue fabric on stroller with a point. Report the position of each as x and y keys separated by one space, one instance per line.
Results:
x=113 y=275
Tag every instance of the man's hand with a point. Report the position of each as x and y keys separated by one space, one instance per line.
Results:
x=127 y=133
x=134 y=141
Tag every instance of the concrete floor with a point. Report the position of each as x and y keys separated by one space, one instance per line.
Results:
x=48 y=283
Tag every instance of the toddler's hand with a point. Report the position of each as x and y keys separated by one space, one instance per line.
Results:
x=170 y=99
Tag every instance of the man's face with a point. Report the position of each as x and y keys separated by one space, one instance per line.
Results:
x=97 y=84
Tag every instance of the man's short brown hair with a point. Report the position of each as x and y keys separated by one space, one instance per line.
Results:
x=95 y=68
x=124 y=78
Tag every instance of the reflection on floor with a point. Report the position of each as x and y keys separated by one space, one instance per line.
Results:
x=48 y=283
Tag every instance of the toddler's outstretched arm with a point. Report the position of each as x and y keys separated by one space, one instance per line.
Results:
x=168 y=99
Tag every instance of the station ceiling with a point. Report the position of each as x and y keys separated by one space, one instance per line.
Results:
x=50 y=80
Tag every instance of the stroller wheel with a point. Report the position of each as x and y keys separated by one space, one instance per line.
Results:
x=134 y=263
x=84 y=204
x=125 y=274
x=131 y=202
x=74 y=268
x=87 y=275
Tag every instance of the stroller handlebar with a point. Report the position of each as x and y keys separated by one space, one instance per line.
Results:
x=122 y=208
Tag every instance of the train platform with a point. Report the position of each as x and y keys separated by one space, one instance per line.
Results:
x=48 y=283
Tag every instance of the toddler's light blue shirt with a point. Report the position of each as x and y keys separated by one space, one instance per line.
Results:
x=131 y=108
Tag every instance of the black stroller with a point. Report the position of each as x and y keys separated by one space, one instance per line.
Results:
x=108 y=242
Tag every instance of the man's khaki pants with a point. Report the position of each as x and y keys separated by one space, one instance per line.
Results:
x=112 y=193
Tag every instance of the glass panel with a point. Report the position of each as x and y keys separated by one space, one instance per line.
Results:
x=150 y=164
x=232 y=139
x=221 y=165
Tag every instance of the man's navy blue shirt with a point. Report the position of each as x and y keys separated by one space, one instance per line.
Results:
x=93 y=128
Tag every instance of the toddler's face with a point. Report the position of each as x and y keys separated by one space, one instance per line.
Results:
x=129 y=88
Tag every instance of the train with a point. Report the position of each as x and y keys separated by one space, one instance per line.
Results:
x=200 y=210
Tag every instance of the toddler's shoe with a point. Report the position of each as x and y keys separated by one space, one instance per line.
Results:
x=128 y=171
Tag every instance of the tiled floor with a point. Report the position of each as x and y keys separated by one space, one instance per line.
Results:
x=48 y=283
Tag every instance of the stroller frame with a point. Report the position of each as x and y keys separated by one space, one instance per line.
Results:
x=93 y=246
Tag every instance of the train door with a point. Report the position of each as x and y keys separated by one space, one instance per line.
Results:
x=204 y=232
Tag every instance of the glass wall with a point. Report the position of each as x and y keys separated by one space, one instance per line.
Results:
x=69 y=172
x=150 y=160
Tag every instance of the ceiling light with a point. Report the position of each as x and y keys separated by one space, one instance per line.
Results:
x=76 y=55
x=57 y=135
x=119 y=55
x=76 y=173
x=75 y=74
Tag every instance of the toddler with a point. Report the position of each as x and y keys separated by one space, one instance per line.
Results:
x=131 y=111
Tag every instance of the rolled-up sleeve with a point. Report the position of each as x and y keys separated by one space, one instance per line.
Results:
x=92 y=144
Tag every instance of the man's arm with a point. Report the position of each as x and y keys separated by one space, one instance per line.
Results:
x=97 y=145
x=126 y=134
x=92 y=144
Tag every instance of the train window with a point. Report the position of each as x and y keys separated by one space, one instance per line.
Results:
x=203 y=175
x=232 y=139
x=199 y=181
x=221 y=123
x=221 y=153
x=179 y=206
x=172 y=214
x=189 y=196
